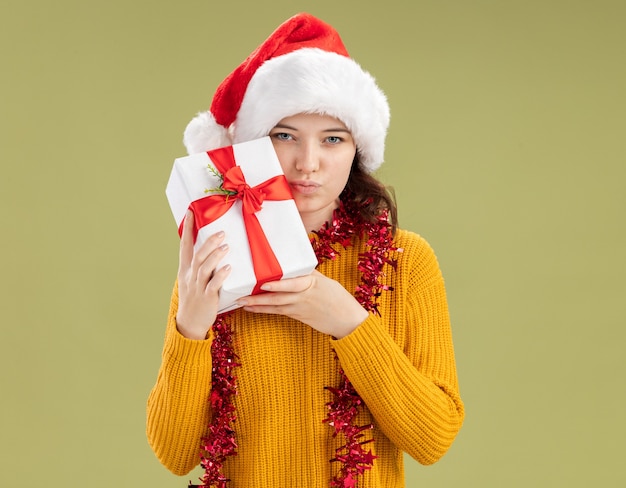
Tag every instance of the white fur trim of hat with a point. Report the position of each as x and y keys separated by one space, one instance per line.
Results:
x=269 y=87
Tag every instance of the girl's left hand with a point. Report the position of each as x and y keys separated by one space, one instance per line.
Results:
x=315 y=300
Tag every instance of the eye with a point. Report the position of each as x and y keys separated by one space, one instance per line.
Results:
x=281 y=136
x=334 y=139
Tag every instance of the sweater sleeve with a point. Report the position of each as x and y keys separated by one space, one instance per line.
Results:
x=177 y=409
x=409 y=384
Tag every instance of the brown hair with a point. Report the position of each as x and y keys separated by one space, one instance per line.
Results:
x=371 y=195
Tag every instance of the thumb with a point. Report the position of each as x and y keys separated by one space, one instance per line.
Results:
x=186 y=241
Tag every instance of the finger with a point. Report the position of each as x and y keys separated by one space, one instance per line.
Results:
x=268 y=299
x=208 y=247
x=268 y=309
x=289 y=285
x=186 y=242
x=216 y=282
x=207 y=268
x=264 y=306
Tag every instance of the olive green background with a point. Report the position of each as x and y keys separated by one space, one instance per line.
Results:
x=506 y=150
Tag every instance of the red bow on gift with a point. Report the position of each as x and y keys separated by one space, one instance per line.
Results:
x=210 y=208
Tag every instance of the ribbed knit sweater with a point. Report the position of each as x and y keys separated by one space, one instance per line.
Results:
x=401 y=363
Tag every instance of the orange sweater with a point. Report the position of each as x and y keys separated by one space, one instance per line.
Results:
x=402 y=364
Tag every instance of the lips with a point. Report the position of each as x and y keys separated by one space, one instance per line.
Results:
x=304 y=187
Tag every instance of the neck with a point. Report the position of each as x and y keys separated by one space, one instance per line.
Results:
x=313 y=221
x=313 y=224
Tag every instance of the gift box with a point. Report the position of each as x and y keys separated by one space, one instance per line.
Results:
x=241 y=190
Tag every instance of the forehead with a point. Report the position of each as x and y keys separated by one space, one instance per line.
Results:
x=317 y=121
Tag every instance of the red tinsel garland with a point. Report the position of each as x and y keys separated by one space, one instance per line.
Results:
x=355 y=459
x=344 y=409
x=220 y=442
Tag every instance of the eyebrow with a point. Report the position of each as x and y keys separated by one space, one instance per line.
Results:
x=333 y=129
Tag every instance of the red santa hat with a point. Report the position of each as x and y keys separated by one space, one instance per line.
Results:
x=302 y=67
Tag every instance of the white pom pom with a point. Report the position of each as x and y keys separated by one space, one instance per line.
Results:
x=203 y=133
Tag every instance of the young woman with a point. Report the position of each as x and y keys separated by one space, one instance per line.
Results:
x=326 y=379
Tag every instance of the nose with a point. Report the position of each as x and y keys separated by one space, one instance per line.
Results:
x=308 y=157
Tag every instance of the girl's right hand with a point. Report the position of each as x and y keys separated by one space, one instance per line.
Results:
x=199 y=281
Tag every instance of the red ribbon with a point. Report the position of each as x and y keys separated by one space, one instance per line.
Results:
x=210 y=208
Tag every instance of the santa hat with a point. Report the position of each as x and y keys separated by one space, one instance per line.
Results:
x=302 y=67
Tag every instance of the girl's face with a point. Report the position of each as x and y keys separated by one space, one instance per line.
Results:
x=316 y=153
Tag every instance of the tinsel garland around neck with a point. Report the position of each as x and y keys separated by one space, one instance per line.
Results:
x=220 y=442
